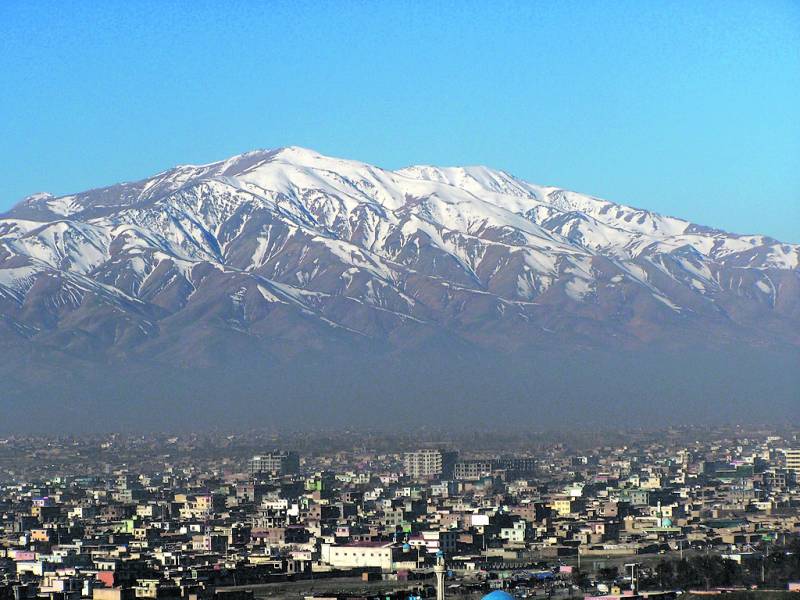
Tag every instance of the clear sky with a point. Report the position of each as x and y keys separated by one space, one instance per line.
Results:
x=688 y=108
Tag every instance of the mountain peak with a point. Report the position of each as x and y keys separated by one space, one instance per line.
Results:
x=289 y=244
x=298 y=152
x=36 y=197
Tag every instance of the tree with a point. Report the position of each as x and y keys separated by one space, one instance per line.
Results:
x=608 y=573
x=665 y=574
x=580 y=579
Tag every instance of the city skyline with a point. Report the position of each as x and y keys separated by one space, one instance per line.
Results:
x=613 y=515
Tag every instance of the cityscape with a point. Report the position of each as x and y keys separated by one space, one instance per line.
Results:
x=340 y=514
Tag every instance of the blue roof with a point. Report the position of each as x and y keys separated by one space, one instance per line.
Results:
x=498 y=595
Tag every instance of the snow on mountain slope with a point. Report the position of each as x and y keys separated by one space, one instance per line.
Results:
x=273 y=242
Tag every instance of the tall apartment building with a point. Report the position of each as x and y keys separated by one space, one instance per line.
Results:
x=274 y=463
x=793 y=462
x=429 y=463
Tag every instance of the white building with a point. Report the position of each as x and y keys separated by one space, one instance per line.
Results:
x=363 y=554
x=514 y=534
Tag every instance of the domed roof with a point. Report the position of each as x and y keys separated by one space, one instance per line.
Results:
x=498 y=595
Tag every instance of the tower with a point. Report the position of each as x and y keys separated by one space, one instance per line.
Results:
x=439 y=571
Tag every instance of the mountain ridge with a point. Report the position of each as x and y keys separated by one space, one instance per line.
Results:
x=369 y=251
x=468 y=170
x=278 y=279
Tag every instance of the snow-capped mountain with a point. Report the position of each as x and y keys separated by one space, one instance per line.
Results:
x=292 y=249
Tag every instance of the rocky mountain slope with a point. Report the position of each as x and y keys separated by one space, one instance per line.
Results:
x=293 y=248
x=286 y=286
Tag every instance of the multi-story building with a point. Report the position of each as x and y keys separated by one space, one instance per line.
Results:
x=471 y=470
x=793 y=461
x=517 y=465
x=275 y=463
x=775 y=479
x=429 y=463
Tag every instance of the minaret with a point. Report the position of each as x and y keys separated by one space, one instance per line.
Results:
x=439 y=571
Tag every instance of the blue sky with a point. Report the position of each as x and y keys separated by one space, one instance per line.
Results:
x=687 y=108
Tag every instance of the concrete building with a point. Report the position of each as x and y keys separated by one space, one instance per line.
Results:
x=428 y=463
x=274 y=463
x=386 y=556
x=471 y=470
x=793 y=462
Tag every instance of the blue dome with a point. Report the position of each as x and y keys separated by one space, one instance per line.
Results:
x=498 y=595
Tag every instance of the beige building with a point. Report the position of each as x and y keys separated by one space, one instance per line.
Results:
x=428 y=463
x=793 y=461
x=566 y=506
x=359 y=555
